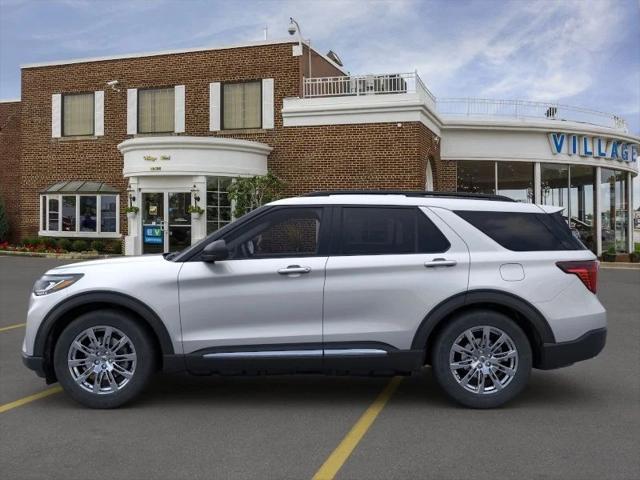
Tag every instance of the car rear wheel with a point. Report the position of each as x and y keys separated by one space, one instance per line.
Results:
x=104 y=359
x=482 y=359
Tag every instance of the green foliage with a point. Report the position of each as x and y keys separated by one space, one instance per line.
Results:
x=249 y=193
x=79 y=245
x=98 y=246
x=611 y=250
x=4 y=222
x=195 y=209
x=132 y=209
x=64 y=244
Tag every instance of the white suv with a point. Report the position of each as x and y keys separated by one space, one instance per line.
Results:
x=480 y=288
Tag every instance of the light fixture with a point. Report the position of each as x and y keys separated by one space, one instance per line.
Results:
x=294 y=27
x=195 y=193
x=132 y=197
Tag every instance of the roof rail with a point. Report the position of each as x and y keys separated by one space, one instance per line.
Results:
x=418 y=193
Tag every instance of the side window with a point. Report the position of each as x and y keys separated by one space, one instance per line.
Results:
x=388 y=231
x=286 y=232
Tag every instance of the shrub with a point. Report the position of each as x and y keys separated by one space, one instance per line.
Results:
x=29 y=241
x=113 y=246
x=98 y=246
x=65 y=244
x=4 y=222
x=79 y=246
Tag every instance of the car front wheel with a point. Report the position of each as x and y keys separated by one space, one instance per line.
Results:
x=482 y=359
x=104 y=359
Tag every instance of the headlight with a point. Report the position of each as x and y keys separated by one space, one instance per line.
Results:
x=52 y=283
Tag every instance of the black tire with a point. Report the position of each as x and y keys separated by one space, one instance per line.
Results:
x=145 y=358
x=441 y=359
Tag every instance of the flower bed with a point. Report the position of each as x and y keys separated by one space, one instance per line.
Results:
x=45 y=245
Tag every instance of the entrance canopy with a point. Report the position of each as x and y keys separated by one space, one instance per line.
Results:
x=80 y=186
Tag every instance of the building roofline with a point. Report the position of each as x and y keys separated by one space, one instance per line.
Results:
x=170 y=52
x=10 y=100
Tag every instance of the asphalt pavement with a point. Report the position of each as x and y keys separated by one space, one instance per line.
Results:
x=581 y=422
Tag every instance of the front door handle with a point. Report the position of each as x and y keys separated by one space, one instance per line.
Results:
x=440 y=262
x=294 y=269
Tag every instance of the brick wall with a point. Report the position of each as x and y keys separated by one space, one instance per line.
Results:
x=372 y=156
x=10 y=162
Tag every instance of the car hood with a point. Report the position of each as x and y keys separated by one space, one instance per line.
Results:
x=111 y=262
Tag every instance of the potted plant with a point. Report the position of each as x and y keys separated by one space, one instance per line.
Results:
x=610 y=254
x=132 y=211
x=195 y=211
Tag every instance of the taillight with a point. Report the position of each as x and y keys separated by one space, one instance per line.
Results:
x=587 y=271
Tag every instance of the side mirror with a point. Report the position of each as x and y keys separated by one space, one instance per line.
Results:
x=215 y=251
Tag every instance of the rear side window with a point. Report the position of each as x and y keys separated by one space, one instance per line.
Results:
x=388 y=231
x=524 y=232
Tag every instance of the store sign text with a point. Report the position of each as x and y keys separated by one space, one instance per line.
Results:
x=597 y=147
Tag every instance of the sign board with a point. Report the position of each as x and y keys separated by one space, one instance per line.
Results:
x=597 y=147
x=152 y=234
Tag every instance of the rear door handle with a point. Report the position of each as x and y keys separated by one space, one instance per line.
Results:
x=440 y=262
x=294 y=269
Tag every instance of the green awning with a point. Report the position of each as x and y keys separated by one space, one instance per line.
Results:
x=80 y=186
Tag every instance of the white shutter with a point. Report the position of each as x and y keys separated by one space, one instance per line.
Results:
x=132 y=111
x=268 y=108
x=179 y=108
x=214 y=106
x=56 y=115
x=98 y=113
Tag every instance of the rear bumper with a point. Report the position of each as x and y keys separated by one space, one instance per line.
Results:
x=557 y=355
x=34 y=363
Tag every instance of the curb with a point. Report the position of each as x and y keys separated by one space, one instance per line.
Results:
x=620 y=265
x=61 y=256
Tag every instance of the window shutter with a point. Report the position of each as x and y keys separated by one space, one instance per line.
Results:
x=179 y=111
x=56 y=115
x=214 y=106
x=98 y=111
x=268 y=108
x=132 y=111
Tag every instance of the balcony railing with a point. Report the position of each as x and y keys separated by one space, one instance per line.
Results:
x=398 y=83
x=357 y=85
x=481 y=107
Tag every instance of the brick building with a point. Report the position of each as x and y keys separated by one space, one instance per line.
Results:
x=162 y=131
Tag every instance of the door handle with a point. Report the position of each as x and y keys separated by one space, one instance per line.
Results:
x=440 y=262
x=294 y=269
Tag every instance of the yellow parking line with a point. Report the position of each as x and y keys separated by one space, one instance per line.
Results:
x=11 y=327
x=31 y=398
x=339 y=456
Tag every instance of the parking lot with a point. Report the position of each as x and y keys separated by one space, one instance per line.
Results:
x=581 y=422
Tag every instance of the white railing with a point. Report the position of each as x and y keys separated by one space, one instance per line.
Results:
x=482 y=107
x=355 y=85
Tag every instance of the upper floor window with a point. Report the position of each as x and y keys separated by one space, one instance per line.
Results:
x=242 y=105
x=156 y=110
x=78 y=114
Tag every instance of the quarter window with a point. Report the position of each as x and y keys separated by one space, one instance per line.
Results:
x=242 y=105
x=156 y=110
x=289 y=232
x=78 y=114
x=388 y=231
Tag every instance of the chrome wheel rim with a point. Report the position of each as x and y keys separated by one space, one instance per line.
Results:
x=483 y=360
x=102 y=360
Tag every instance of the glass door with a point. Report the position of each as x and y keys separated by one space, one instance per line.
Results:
x=179 y=236
x=153 y=228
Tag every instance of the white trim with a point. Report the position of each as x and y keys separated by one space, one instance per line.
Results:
x=132 y=111
x=56 y=115
x=10 y=100
x=179 y=101
x=630 y=214
x=598 y=210
x=537 y=183
x=268 y=107
x=183 y=142
x=214 y=107
x=47 y=233
x=98 y=113
x=156 y=53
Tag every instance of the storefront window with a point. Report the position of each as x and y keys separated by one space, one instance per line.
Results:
x=77 y=215
x=476 y=176
x=108 y=213
x=615 y=210
x=88 y=214
x=515 y=180
x=53 y=213
x=69 y=213
x=218 y=204
x=581 y=204
x=555 y=185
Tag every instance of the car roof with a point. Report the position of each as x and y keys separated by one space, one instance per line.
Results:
x=398 y=199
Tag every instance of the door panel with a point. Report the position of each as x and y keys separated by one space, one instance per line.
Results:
x=179 y=221
x=153 y=215
x=384 y=298
x=268 y=292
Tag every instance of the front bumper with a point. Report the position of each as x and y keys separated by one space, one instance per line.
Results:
x=557 y=355
x=34 y=363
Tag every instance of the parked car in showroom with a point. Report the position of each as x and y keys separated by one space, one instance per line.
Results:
x=480 y=288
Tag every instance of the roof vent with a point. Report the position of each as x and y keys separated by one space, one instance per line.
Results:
x=333 y=56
